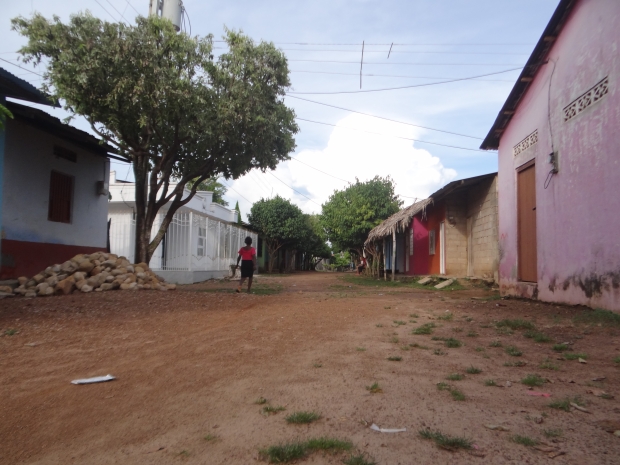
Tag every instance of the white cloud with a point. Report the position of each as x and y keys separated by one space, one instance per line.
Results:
x=350 y=153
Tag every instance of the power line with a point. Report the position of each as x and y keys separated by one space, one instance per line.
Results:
x=384 y=118
x=230 y=187
x=398 y=44
x=97 y=1
x=117 y=11
x=129 y=3
x=404 y=87
x=389 y=135
x=426 y=52
x=21 y=67
x=391 y=75
x=293 y=188
x=411 y=63
x=321 y=171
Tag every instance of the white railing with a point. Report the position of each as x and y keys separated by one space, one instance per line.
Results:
x=193 y=242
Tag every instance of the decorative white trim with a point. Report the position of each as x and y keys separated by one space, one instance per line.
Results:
x=587 y=99
x=525 y=143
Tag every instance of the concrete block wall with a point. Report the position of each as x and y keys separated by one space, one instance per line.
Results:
x=456 y=234
x=482 y=209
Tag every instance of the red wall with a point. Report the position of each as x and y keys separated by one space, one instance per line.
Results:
x=419 y=262
x=435 y=215
x=29 y=258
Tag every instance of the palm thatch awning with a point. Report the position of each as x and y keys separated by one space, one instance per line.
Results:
x=398 y=222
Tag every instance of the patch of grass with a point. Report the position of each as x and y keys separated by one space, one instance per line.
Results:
x=490 y=382
x=374 y=388
x=211 y=437
x=548 y=365
x=469 y=319
x=455 y=377
x=513 y=351
x=533 y=380
x=260 y=401
x=10 y=332
x=271 y=409
x=472 y=334
x=439 y=352
x=399 y=322
x=443 y=386
x=285 y=452
x=361 y=349
x=359 y=459
x=437 y=338
x=485 y=325
x=394 y=359
x=414 y=315
x=472 y=370
x=516 y=324
x=444 y=441
x=446 y=317
x=303 y=417
x=575 y=356
x=564 y=404
x=318 y=365
x=598 y=317
x=617 y=359
x=457 y=395
x=515 y=364
x=537 y=336
x=560 y=347
x=552 y=433
x=418 y=346
x=495 y=344
x=394 y=340
x=452 y=343
x=457 y=330
x=387 y=308
x=504 y=331
x=524 y=440
x=405 y=348
x=426 y=328
x=379 y=325
x=413 y=321
x=329 y=444
x=480 y=349
x=184 y=453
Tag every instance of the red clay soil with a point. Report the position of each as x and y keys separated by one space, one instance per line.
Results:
x=190 y=365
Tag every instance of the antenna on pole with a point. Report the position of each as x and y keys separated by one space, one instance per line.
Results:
x=169 y=9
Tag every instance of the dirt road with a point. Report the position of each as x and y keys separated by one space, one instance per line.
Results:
x=190 y=365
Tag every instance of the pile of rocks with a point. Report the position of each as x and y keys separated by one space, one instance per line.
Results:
x=95 y=272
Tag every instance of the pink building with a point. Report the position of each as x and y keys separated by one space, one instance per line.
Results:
x=558 y=136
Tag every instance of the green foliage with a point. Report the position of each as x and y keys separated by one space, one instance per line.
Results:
x=472 y=370
x=236 y=208
x=359 y=459
x=514 y=351
x=560 y=347
x=537 y=336
x=575 y=356
x=350 y=214
x=452 y=343
x=426 y=328
x=454 y=377
x=564 y=404
x=374 y=388
x=303 y=417
x=533 y=380
x=524 y=440
x=516 y=324
x=490 y=382
x=166 y=103
x=4 y=114
x=444 y=441
x=212 y=185
x=598 y=317
x=395 y=359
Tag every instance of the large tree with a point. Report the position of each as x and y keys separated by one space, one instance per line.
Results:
x=279 y=222
x=166 y=104
x=350 y=214
x=314 y=244
x=212 y=185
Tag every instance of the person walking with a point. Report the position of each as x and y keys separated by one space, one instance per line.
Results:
x=247 y=256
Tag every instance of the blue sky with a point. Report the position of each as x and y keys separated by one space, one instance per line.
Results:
x=434 y=40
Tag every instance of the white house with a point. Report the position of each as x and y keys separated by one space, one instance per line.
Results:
x=201 y=242
x=53 y=186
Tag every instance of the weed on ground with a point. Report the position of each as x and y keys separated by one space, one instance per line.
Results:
x=272 y=410
x=495 y=344
x=359 y=459
x=296 y=450
x=374 y=388
x=490 y=382
x=418 y=346
x=361 y=349
x=552 y=433
x=516 y=324
x=524 y=440
x=564 y=404
x=547 y=364
x=303 y=417
x=537 y=336
x=10 y=332
x=560 y=347
x=446 y=317
x=472 y=370
x=211 y=438
x=399 y=322
x=605 y=318
x=426 y=328
x=260 y=401
x=444 y=441
x=512 y=350
x=533 y=380
x=452 y=343
x=472 y=334
x=457 y=395
x=575 y=356
x=439 y=352
x=455 y=377
x=395 y=359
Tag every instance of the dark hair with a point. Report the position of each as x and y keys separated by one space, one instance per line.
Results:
x=248 y=240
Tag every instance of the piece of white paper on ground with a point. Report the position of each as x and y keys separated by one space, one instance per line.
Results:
x=96 y=379
x=387 y=430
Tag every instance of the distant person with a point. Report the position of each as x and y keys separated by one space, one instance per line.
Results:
x=362 y=265
x=247 y=255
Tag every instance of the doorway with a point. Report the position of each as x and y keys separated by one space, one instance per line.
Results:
x=526 y=217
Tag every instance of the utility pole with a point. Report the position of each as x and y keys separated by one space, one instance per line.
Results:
x=169 y=9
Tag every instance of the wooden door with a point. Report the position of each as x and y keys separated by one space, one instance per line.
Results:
x=526 y=211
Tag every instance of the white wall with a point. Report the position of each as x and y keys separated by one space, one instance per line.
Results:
x=28 y=163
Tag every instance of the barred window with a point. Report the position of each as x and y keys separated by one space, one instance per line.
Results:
x=431 y=242
x=61 y=198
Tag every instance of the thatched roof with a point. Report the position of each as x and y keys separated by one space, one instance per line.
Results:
x=398 y=221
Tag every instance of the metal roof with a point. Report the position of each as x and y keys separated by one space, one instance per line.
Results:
x=536 y=60
x=14 y=87
x=460 y=184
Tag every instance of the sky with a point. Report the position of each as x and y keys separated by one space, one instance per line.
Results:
x=426 y=136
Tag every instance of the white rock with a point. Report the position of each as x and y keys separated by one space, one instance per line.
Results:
x=87 y=288
x=444 y=284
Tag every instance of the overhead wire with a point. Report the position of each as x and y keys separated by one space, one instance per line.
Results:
x=117 y=11
x=232 y=189
x=389 y=135
x=391 y=75
x=292 y=188
x=21 y=67
x=384 y=118
x=399 y=44
x=115 y=20
x=409 y=63
x=129 y=3
x=321 y=171
x=404 y=87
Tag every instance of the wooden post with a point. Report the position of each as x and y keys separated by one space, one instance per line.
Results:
x=384 y=261
x=393 y=254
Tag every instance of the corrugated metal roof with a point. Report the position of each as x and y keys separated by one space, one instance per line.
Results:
x=536 y=60
x=14 y=87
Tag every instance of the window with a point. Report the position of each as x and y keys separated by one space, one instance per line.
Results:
x=61 y=198
x=431 y=242
x=411 y=242
x=202 y=240
x=259 y=247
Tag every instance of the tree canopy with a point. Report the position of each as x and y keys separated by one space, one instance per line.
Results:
x=213 y=185
x=166 y=104
x=350 y=214
x=4 y=114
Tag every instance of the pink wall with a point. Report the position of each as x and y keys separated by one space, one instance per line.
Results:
x=419 y=261
x=578 y=215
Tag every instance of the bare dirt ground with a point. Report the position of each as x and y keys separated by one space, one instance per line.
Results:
x=190 y=365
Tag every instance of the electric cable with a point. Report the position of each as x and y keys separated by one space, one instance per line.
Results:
x=391 y=75
x=403 y=51
x=231 y=188
x=411 y=63
x=384 y=118
x=113 y=18
x=292 y=188
x=21 y=67
x=389 y=135
x=321 y=171
x=117 y=11
x=129 y=3
x=188 y=20
x=399 y=44
x=403 y=87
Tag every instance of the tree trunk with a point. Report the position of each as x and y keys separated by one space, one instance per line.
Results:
x=143 y=229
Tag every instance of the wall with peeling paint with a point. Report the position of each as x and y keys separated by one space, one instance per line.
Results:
x=578 y=214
